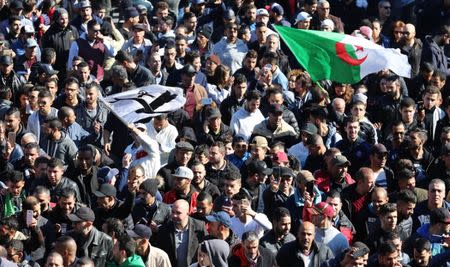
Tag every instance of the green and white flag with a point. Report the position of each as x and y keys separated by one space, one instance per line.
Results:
x=339 y=57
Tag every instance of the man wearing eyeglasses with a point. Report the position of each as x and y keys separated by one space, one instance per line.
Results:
x=323 y=13
x=384 y=15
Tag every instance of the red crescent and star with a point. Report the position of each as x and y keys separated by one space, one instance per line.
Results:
x=342 y=53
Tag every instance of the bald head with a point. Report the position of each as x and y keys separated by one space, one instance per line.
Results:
x=409 y=31
x=307 y=226
x=180 y=213
x=67 y=248
x=54 y=259
x=339 y=105
x=181 y=204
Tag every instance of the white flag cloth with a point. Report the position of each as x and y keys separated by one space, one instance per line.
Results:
x=145 y=102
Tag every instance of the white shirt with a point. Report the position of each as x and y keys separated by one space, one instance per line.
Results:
x=243 y=122
x=165 y=138
x=308 y=260
x=259 y=224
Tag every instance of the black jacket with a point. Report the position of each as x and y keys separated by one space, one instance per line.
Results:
x=218 y=176
x=229 y=106
x=141 y=213
x=121 y=210
x=289 y=256
x=265 y=258
x=165 y=240
x=98 y=246
x=60 y=39
x=210 y=137
x=86 y=189
x=55 y=191
x=41 y=238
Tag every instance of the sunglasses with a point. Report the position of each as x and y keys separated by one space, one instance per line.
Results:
x=386 y=7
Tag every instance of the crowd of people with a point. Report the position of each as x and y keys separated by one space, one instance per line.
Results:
x=262 y=166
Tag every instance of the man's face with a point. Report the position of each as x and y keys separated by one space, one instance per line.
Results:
x=84 y=73
x=71 y=91
x=15 y=188
x=183 y=156
x=213 y=229
x=250 y=63
x=352 y=130
x=409 y=183
x=376 y=30
x=13 y=255
x=385 y=10
x=415 y=140
x=429 y=100
x=379 y=198
x=52 y=86
x=91 y=95
x=199 y=174
x=306 y=236
x=323 y=10
x=251 y=248
x=85 y=160
x=407 y=114
x=15 y=26
x=231 y=33
x=398 y=133
x=261 y=34
x=155 y=64
x=30 y=52
x=272 y=43
x=12 y=122
x=54 y=175
x=338 y=173
x=392 y=88
x=45 y=105
x=367 y=183
x=336 y=203
x=253 y=105
x=81 y=227
x=191 y=24
x=181 y=184
x=422 y=258
x=187 y=80
x=275 y=119
x=162 y=13
x=105 y=202
x=389 y=260
x=258 y=152
x=179 y=215
x=436 y=81
x=240 y=148
x=359 y=111
x=283 y=227
x=436 y=193
x=93 y=32
x=405 y=209
x=67 y=204
x=389 y=221
x=285 y=183
x=169 y=55
x=214 y=124
x=210 y=67
x=86 y=13
x=215 y=155
x=204 y=207
x=30 y=156
x=231 y=187
x=304 y=24
x=251 y=14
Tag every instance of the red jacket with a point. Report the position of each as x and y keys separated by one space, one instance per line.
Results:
x=172 y=196
x=323 y=180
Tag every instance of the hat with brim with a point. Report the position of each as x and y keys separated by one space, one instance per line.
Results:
x=183 y=172
x=305 y=177
x=140 y=231
x=340 y=160
x=83 y=214
x=323 y=208
x=221 y=217
x=106 y=190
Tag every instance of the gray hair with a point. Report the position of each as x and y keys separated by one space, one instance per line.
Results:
x=250 y=236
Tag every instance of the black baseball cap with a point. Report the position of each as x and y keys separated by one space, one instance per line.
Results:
x=83 y=214
x=259 y=166
x=150 y=186
x=106 y=190
x=440 y=215
x=140 y=231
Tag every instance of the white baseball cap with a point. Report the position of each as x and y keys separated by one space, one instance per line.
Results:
x=302 y=16
x=183 y=172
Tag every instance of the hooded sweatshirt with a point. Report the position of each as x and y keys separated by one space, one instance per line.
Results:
x=218 y=251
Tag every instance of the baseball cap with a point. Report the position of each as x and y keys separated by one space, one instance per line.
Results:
x=221 y=217
x=141 y=9
x=28 y=29
x=139 y=26
x=340 y=160
x=106 y=174
x=183 y=172
x=323 y=208
x=327 y=22
x=131 y=12
x=359 y=97
x=440 y=215
x=184 y=145
x=259 y=166
x=302 y=16
x=282 y=171
x=16 y=5
x=309 y=128
x=305 y=177
x=150 y=186
x=259 y=141
x=106 y=190
x=229 y=14
x=83 y=214
x=140 y=231
x=280 y=156
x=275 y=108
x=262 y=12
x=6 y=60
x=30 y=42
x=379 y=149
x=206 y=31
x=213 y=113
x=215 y=59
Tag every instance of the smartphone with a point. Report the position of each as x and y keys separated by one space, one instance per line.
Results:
x=29 y=217
x=227 y=202
x=310 y=188
x=12 y=138
x=63 y=228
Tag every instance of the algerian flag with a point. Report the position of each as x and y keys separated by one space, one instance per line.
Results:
x=339 y=57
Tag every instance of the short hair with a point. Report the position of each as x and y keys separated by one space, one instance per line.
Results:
x=202 y=149
x=53 y=123
x=271 y=57
x=407 y=196
x=123 y=56
x=48 y=54
x=13 y=18
x=15 y=177
x=40 y=160
x=44 y=94
x=241 y=195
x=239 y=79
x=64 y=112
x=386 y=248
x=119 y=71
x=220 y=145
x=127 y=243
x=351 y=119
x=253 y=95
x=421 y=244
x=67 y=192
x=161 y=5
x=10 y=222
x=387 y=208
x=250 y=236
x=16 y=244
x=405 y=174
x=29 y=203
x=114 y=225
x=251 y=54
x=444 y=30
x=190 y=56
x=436 y=181
x=334 y=194
x=83 y=64
x=40 y=189
x=407 y=102
x=279 y=213
x=422 y=134
x=203 y=195
x=92 y=23
x=230 y=25
x=440 y=74
x=188 y=15
x=431 y=89
x=55 y=163
x=391 y=78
